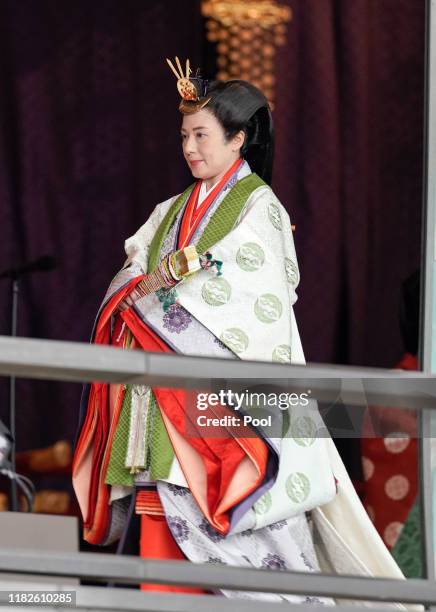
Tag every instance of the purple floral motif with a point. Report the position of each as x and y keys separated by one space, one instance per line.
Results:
x=273 y=562
x=278 y=525
x=176 y=319
x=177 y=490
x=216 y=561
x=313 y=600
x=178 y=527
x=246 y=533
x=209 y=531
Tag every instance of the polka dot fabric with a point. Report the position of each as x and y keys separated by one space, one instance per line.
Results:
x=390 y=466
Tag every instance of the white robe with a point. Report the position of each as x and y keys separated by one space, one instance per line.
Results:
x=350 y=540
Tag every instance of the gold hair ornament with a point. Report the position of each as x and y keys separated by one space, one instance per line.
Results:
x=191 y=102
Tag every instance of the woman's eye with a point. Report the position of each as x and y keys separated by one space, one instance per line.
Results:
x=197 y=135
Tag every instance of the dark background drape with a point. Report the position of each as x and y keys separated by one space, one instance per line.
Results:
x=349 y=119
x=89 y=144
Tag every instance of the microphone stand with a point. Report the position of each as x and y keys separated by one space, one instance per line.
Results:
x=44 y=263
x=12 y=395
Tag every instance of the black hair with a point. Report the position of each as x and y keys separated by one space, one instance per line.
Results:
x=239 y=105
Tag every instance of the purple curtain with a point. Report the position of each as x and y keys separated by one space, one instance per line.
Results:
x=349 y=121
x=89 y=144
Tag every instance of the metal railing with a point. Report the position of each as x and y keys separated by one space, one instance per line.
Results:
x=68 y=361
x=131 y=570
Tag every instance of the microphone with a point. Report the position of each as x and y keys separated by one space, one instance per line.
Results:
x=5 y=444
x=42 y=264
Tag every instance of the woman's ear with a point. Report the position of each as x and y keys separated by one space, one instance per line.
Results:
x=238 y=141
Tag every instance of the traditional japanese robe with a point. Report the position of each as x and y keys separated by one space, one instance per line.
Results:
x=239 y=498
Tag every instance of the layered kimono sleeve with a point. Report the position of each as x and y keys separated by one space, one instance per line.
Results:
x=101 y=403
x=266 y=216
x=265 y=255
x=137 y=246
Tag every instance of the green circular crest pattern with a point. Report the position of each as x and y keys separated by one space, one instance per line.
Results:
x=216 y=291
x=235 y=339
x=303 y=431
x=263 y=505
x=250 y=257
x=291 y=271
x=282 y=354
x=268 y=308
x=274 y=216
x=297 y=487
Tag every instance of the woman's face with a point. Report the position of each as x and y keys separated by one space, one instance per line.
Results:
x=208 y=154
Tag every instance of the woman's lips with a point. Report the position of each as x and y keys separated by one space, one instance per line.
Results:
x=195 y=162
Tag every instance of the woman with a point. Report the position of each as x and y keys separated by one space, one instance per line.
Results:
x=213 y=272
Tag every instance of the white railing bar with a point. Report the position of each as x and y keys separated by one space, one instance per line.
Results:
x=104 y=598
x=131 y=570
x=72 y=361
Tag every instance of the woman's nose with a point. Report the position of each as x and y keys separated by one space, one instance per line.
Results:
x=189 y=144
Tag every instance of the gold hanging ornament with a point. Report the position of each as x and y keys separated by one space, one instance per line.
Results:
x=260 y=25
